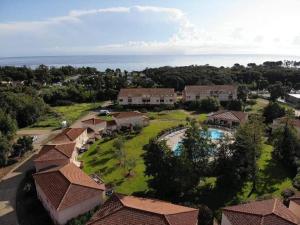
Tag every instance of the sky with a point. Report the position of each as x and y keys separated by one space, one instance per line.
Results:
x=161 y=27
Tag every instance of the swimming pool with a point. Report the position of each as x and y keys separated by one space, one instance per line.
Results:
x=215 y=134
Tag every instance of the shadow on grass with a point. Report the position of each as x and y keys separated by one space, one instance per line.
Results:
x=274 y=174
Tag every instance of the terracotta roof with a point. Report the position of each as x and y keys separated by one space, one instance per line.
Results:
x=295 y=198
x=131 y=210
x=66 y=186
x=111 y=123
x=120 y=115
x=55 y=152
x=293 y=122
x=266 y=212
x=207 y=88
x=68 y=135
x=93 y=121
x=230 y=115
x=146 y=92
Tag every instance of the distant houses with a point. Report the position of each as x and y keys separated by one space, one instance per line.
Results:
x=67 y=192
x=199 y=92
x=129 y=210
x=167 y=96
x=147 y=96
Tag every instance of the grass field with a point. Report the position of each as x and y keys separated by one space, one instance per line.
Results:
x=68 y=113
x=258 y=107
x=100 y=157
x=273 y=177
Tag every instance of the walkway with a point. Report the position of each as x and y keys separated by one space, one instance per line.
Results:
x=9 y=183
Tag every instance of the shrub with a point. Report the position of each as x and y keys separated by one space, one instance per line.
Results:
x=296 y=181
x=210 y=104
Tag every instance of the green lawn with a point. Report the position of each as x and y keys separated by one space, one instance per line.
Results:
x=68 y=113
x=100 y=159
x=273 y=177
x=169 y=115
x=258 y=107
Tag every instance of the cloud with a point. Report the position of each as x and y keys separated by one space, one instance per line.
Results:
x=229 y=36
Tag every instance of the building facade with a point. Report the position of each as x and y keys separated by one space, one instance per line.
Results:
x=66 y=192
x=200 y=92
x=77 y=135
x=147 y=96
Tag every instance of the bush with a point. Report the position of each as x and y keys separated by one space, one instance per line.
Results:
x=296 y=181
x=210 y=104
x=235 y=105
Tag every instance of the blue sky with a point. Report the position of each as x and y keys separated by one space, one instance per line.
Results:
x=73 y=27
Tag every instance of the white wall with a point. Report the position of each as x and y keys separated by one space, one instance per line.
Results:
x=153 y=101
x=225 y=220
x=63 y=216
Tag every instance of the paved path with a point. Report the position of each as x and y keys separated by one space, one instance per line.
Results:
x=9 y=183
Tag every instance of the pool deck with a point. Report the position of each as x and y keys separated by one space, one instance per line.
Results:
x=173 y=138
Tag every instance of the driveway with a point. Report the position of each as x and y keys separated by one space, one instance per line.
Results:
x=9 y=183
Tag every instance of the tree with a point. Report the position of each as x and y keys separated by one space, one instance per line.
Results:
x=242 y=93
x=8 y=126
x=161 y=166
x=276 y=90
x=130 y=164
x=286 y=144
x=245 y=151
x=273 y=111
x=5 y=148
x=210 y=104
x=119 y=152
x=23 y=145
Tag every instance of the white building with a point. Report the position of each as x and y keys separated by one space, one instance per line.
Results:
x=147 y=96
x=66 y=192
x=200 y=92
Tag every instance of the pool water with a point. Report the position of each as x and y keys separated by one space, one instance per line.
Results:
x=215 y=134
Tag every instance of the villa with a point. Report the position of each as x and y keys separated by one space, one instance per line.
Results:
x=227 y=118
x=293 y=99
x=131 y=210
x=94 y=125
x=266 y=212
x=56 y=155
x=67 y=192
x=147 y=96
x=77 y=135
x=130 y=119
x=200 y=92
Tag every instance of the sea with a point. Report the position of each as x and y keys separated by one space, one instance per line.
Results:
x=140 y=62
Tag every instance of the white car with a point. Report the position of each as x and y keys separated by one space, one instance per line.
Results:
x=104 y=112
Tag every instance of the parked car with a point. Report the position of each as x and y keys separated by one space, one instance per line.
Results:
x=104 y=112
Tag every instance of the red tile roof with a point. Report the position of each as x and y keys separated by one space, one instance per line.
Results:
x=55 y=152
x=93 y=121
x=229 y=115
x=293 y=122
x=66 y=186
x=143 y=92
x=295 y=198
x=131 y=210
x=120 y=115
x=68 y=135
x=207 y=88
x=266 y=212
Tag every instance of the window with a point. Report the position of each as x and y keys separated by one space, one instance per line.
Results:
x=197 y=97
x=121 y=100
x=171 y=100
x=162 y=100
x=129 y=99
